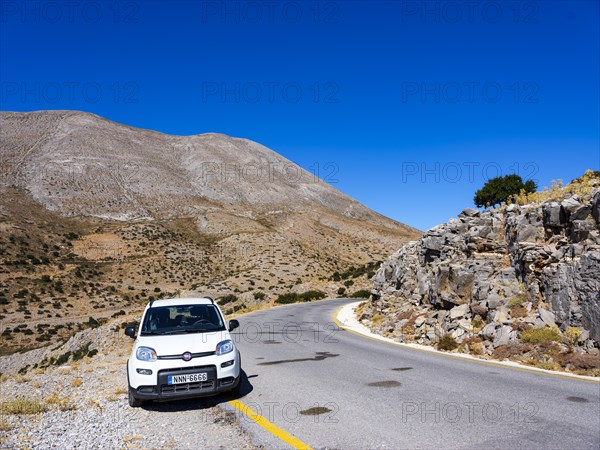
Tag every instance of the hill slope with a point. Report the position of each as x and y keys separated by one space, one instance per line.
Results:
x=97 y=216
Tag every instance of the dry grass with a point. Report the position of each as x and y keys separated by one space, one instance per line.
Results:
x=22 y=405
x=541 y=335
x=582 y=187
x=76 y=382
x=447 y=343
x=22 y=379
x=5 y=426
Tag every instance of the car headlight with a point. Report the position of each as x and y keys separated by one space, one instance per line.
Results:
x=146 y=354
x=224 y=347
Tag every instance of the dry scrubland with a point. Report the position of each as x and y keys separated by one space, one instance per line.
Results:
x=98 y=218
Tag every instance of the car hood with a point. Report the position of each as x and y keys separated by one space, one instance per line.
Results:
x=176 y=344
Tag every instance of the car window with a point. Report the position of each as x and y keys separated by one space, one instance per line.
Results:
x=182 y=319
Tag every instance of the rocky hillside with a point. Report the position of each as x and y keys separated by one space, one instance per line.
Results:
x=519 y=281
x=97 y=218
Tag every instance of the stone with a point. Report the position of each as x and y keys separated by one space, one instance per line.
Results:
x=493 y=301
x=459 y=311
x=596 y=207
x=581 y=213
x=466 y=325
x=502 y=336
x=420 y=320
x=470 y=212
x=547 y=317
x=501 y=317
x=570 y=204
x=554 y=215
x=489 y=331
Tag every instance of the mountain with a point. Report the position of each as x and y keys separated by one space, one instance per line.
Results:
x=97 y=216
x=519 y=281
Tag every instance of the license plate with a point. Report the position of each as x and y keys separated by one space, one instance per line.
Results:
x=188 y=378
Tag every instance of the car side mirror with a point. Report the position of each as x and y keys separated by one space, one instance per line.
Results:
x=233 y=324
x=130 y=331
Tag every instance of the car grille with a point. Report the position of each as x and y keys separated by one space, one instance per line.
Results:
x=187 y=387
x=194 y=355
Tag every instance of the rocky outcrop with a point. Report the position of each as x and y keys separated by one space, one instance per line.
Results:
x=490 y=275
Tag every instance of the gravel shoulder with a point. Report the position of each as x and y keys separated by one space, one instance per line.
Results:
x=85 y=403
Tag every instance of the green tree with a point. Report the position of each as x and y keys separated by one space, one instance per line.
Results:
x=500 y=189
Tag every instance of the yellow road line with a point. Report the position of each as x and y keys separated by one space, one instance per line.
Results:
x=445 y=355
x=270 y=426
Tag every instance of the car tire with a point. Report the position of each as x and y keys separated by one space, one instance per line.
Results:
x=237 y=390
x=134 y=402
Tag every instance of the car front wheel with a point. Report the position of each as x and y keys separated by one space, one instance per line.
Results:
x=134 y=402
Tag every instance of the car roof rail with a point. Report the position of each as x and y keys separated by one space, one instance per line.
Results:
x=211 y=300
x=150 y=304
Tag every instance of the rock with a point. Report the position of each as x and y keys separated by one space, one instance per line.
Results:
x=547 y=317
x=493 y=301
x=501 y=317
x=545 y=253
x=581 y=213
x=459 y=311
x=420 y=320
x=489 y=331
x=502 y=336
x=570 y=204
x=554 y=215
x=466 y=325
x=596 y=207
x=470 y=212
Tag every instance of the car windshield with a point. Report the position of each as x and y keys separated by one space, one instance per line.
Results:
x=182 y=319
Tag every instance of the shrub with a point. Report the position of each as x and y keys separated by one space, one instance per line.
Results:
x=541 y=335
x=341 y=291
x=22 y=405
x=477 y=323
x=293 y=297
x=363 y=293
x=572 y=334
x=447 y=343
x=290 y=297
x=227 y=299
x=313 y=295
x=259 y=295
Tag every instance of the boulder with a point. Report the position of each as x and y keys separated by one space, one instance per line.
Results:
x=596 y=207
x=547 y=317
x=502 y=336
x=470 y=212
x=581 y=213
x=459 y=311
x=554 y=215
x=489 y=331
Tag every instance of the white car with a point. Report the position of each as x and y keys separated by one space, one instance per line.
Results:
x=183 y=349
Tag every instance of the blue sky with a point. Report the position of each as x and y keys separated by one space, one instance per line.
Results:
x=406 y=106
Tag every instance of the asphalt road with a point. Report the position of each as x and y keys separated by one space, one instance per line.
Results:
x=333 y=389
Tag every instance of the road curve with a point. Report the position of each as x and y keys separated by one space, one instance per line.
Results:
x=330 y=388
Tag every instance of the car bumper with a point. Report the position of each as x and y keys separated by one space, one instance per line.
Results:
x=157 y=393
x=156 y=387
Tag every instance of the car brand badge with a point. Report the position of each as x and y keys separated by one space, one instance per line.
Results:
x=187 y=356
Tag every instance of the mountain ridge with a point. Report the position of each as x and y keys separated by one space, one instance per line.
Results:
x=97 y=217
